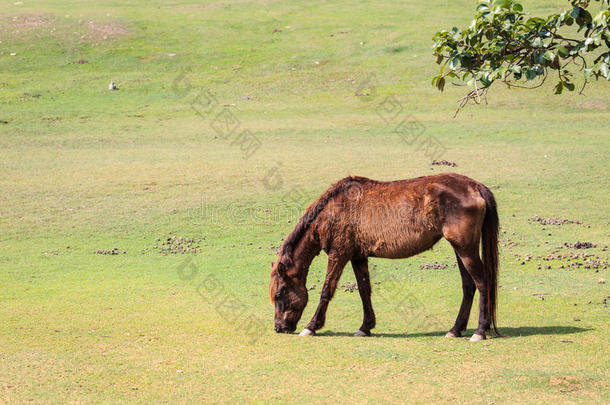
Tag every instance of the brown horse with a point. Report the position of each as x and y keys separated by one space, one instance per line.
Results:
x=358 y=218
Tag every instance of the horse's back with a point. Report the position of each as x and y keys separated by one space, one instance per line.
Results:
x=402 y=218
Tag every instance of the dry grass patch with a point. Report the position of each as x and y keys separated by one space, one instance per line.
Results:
x=594 y=104
x=25 y=26
x=107 y=30
x=24 y=23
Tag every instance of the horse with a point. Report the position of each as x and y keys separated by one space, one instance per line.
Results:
x=357 y=218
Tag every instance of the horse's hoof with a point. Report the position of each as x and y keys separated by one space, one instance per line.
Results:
x=451 y=334
x=307 y=332
x=360 y=333
x=476 y=337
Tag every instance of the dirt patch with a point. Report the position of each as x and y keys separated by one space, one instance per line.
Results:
x=569 y=260
x=579 y=245
x=564 y=256
x=443 y=163
x=435 y=265
x=173 y=244
x=192 y=7
x=350 y=286
x=596 y=264
x=274 y=249
x=507 y=242
x=566 y=383
x=554 y=221
x=113 y=251
x=588 y=264
x=29 y=96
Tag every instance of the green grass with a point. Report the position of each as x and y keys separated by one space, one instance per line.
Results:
x=83 y=168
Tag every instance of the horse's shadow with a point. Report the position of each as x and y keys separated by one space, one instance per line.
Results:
x=506 y=332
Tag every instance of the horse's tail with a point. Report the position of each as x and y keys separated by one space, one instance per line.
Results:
x=489 y=239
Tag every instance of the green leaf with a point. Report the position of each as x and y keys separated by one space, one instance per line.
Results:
x=559 y=88
x=502 y=72
x=538 y=57
x=537 y=43
x=503 y=3
x=441 y=84
x=586 y=16
x=569 y=86
x=453 y=62
x=530 y=74
x=486 y=82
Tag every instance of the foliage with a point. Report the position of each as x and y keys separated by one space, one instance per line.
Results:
x=504 y=43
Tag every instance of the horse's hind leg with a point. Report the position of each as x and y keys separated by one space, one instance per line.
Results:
x=468 y=289
x=361 y=271
x=336 y=264
x=474 y=266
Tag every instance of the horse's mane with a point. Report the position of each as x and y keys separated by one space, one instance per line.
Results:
x=311 y=213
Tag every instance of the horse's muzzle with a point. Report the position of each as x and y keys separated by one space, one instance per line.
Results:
x=284 y=329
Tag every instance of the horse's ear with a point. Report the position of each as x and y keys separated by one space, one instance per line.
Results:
x=281 y=269
x=272 y=265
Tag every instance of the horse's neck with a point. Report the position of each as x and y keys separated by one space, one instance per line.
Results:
x=304 y=253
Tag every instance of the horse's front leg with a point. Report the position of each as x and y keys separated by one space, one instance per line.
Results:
x=361 y=271
x=336 y=263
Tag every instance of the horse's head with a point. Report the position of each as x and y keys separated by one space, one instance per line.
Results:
x=289 y=295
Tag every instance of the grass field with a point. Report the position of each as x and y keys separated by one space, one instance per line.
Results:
x=320 y=87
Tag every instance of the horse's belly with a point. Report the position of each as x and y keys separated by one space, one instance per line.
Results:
x=400 y=243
